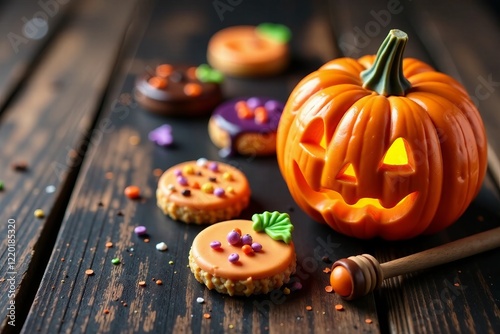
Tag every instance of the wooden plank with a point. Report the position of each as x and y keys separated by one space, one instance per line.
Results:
x=447 y=299
x=79 y=303
x=26 y=27
x=47 y=126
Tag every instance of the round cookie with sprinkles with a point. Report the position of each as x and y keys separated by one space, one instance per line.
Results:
x=179 y=90
x=245 y=257
x=246 y=126
x=202 y=192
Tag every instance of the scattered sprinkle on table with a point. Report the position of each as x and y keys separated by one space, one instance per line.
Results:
x=50 y=189
x=170 y=262
x=339 y=307
x=309 y=307
x=140 y=230
x=456 y=284
x=157 y=172
x=327 y=270
x=39 y=213
x=109 y=175
x=231 y=326
x=159 y=282
x=142 y=283
x=368 y=321
x=200 y=300
x=161 y=246
x=328 y=288
x=286 y=291
x=132 y=192
x=134 y=140
x=162 y=135
x=206 y=315
x=109 y=244
x=106 y=311
x=20 y=166
x=89 y=272
x=115 y=261
x=146 y=240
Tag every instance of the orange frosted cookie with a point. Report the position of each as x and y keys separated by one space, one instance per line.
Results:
x=202 y=192
x=245 y=257
x=250 y=50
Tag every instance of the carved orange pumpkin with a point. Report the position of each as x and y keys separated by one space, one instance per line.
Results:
x=382 y=146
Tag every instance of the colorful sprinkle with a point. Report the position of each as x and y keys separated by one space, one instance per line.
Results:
x=202 y=162
x=171 y=187
x=50 y=189
x=256 y=247
x=206 y=315
x=328 y=288
x=339 y=307
x=200 y=300
x=157 y=172
x=20 y=166
x=286 y=291
x=39 y=213
x=230 y=190
x=227 y=176
x=213 y=166
x=247 y=249
x=164 y=70
x=254 y=102
x=2 y=185
x=109 y=244
x=237 y=230
x=115 y=261
x=177 y=172
x=309 y=307
x=233 y=238
x=140 y=230
x=89 y=272
x=188 y=170
x=159 y=282
x=233 y=257
x=132 y=192
x=215 y=244
x=205 y=73
x=182 y=180
x=243 y=111
x=219 y=192
x=186 y=192
x=368 y=321
x=193 y=89
x=207 y=188
x=161 y=246
x=106 y=311
x=162 y=135
x=261 y=115
x=142 y=283
x=246 y=239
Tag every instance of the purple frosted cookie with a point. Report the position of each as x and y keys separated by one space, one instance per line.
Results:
x=246 y=126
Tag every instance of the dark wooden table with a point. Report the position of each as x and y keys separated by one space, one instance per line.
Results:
x=67 y=70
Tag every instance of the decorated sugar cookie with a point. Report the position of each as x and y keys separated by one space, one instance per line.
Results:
x=202 y=192
x=245 y=257
x=179 y=90
x=246 y=126
x=250 y=51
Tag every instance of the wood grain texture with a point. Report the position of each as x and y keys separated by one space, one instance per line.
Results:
x=449 y=298
x=22 y=40
x=80 y=302
x=46 y=126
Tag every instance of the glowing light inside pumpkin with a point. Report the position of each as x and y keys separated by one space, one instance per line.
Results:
x=347 y=174
x=397 y=154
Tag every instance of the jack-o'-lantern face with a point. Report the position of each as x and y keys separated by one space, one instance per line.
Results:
x=373 y=164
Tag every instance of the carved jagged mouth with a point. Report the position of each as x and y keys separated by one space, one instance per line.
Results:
x=325 y=200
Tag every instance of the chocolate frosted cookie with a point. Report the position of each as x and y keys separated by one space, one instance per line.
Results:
x=246 y=126
x=174 y=90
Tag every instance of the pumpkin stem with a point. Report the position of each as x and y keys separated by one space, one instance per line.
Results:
x=386 y=74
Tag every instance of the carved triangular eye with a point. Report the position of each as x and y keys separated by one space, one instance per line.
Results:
x=398 y=157
x=347 y=174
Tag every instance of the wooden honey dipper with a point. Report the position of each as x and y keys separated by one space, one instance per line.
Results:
x=359 y=275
